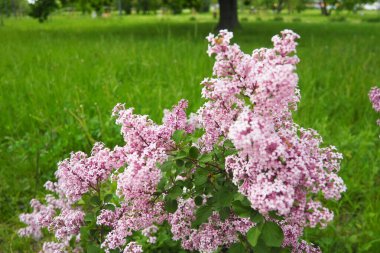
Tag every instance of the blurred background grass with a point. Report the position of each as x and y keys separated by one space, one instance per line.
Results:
x=59 y=82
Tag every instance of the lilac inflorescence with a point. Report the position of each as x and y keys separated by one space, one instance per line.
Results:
x=374 y=97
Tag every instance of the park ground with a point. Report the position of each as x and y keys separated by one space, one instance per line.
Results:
x=60 y=80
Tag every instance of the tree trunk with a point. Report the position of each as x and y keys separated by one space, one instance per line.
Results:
x=324 y=10
x=228 y=17
x=279 y=6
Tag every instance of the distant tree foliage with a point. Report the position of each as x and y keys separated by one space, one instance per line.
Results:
x=198 y=5
x=14 y=7
x=354 y=5
x=278 y=6
x=126 y=6
x=100 y=5
x=228 y=9
x=41 y=9
x=84 y=6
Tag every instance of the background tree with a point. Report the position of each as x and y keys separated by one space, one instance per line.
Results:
x=300 y=5
x=327 y=6
x=84 y=6
x=13 y=7
x=354 y=5
x=175 y=6
x=41 y=9
x=99 y=5
x=198 y=5
x=142 y=6
x=228 y=17
x=126 y=6
x=296 y=5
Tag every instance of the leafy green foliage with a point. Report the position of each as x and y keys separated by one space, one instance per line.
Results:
x=272 y=234
x=41 y=9
x=236 y=248
x=171 y=205
x=202 y=214
x=204 y=179
x=242 y=209
x=253 y=235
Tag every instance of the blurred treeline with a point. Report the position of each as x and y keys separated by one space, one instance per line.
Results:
x=40 y=9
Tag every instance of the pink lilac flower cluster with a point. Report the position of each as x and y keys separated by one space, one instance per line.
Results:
x=59 y=217
x=78 y=174
x=374 y=97
x=209 y=236
x=149 y=233
x=279 y=166
x=75 y=177
x=133 y=247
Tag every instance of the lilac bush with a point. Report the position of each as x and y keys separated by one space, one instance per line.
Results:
x=238 y=175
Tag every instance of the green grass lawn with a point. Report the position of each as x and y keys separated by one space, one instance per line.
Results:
x=59 y=82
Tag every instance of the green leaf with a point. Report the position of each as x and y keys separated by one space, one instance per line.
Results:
x=241 y=210
x=163 y=182
x=84 y=232
x=206 y=158
x=272 y=234
x=228 y=144
x=274 y=215
x=109 y=207
x=194 y=152
x=224 y=213
x=245 y=201
x=171 y=205
x=236 y=248
x=95 y=200
x=229 y=152
x=256 y=217
x=91 y=248
x=188 y=183
x=89 y=217
x=181 y=154
x=198 y=200
x=210 y=201
x=72 y=242
x=179 y=162
x=175 y=192
x=224 y=197
x=253 y=235
x=166 y=166
x=261 y=247
x=200 y=177
x=202 y=214
x=108 y=198
x=178 y=136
